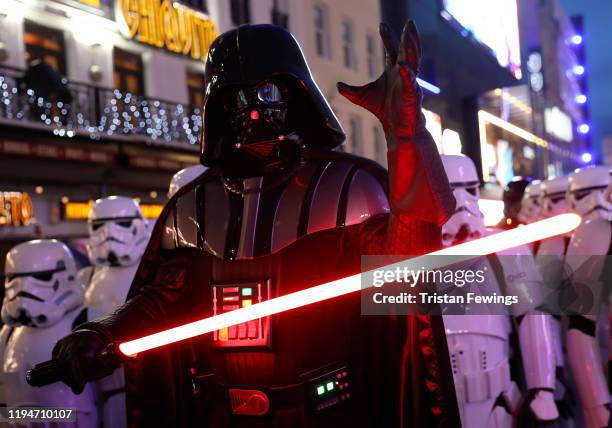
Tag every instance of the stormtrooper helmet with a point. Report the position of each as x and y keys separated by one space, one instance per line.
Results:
x=530 y=206
x=552 y=197
x=40 y=284
x=467 y=222
x=118 y=232
x=590 y=192
x=183 y=177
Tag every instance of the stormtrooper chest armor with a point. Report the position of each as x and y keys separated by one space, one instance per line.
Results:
x=25 y=347
x=108 y=289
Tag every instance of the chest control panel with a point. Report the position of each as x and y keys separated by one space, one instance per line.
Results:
x=331 y=389
x=229 y=297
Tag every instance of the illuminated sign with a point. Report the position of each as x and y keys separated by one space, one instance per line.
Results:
x=80 y=210
x=494 y=23
x=558 y=124
x=433 y=123
x=451 y=142
x=166 y=24
x=15 y=209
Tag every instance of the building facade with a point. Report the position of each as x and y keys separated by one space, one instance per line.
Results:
x=116 y=108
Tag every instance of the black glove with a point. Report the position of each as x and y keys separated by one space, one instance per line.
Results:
x=79 y=358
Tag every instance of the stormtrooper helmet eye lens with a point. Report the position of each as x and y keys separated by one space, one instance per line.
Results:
x=269 y=93
x=96 y=226
x=581 y=194
x=125 y=223
x=9 y=278
x=44 y=276
x=556 y=199
x=471 y=190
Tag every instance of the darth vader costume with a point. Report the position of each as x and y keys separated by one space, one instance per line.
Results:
x=278 y=211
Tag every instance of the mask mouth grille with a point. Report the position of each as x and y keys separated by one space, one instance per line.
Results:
x=263 y=149
x=463 y=233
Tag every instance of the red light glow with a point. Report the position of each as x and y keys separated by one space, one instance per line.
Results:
x=533 y=232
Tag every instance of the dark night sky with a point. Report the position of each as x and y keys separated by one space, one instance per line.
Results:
x=598 y=39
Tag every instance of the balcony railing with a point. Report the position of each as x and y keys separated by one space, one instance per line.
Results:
x=99 y=113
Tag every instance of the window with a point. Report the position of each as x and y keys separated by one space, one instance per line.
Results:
x=128 y=72
x=280 y=13
x=195 y=89
x=348 y=51
x=319 y=16
x=372 y=58
x=379 y=145
x=240 y=11
x=197 y=4
x=45 y=44
x=355 y=135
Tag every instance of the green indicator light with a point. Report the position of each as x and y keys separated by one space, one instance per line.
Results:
x=330 y=386
x=247 y=291
x=320 y=390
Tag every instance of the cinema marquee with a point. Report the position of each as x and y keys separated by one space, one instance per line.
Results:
x=174 y=26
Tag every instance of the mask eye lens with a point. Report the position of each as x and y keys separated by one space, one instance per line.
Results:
x=556 y=199
x=125 y=223
x=446 y=236
x=96 y=226
x=9 y=278
x=471 y=190
x=581 y=195
x=43 y=276
x=269 y=93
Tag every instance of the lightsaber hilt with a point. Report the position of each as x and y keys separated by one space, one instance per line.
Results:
x=51 y=371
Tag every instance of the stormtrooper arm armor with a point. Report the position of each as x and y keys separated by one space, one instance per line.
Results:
x=5 y=333
x=585 y=359
x=537 y=351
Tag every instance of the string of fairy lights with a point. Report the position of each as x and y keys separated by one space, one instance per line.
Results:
x=116 y=113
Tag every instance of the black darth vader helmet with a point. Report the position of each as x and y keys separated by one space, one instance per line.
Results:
x=259 y=89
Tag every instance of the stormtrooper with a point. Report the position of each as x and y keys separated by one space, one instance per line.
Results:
x=118 y=235
x=479 y=343
x=530 y=204
x=547 y=200
x=278 y=211
x=184 y=177
x=553 y=202
x=590 y=195
x=43 y=301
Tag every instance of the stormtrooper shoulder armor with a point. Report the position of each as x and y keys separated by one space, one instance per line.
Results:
x=259 y=216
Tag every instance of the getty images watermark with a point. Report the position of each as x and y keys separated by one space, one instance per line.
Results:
x=495 y=285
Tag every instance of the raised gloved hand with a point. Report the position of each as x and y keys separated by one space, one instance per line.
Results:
x=419 y=189
x=80 y=357
x=395 y=97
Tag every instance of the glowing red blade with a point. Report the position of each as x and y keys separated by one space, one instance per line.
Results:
x=537 y=231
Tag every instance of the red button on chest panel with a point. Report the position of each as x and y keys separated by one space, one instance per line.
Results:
x=229 y=297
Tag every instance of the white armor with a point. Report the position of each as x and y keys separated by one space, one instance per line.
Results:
x=479 y=344
x=530 y=206
x=589 y=195
x=183 y=177
x=118 y=233
x=43 y=302
x=551 y=252
x=116 y=226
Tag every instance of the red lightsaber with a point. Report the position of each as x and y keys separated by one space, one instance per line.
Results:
x=488 y=245
x=523 y=235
